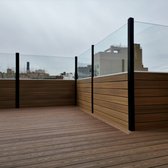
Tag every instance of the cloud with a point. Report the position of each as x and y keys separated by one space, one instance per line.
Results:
x=68 y=27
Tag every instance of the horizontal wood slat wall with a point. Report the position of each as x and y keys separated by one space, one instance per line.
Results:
x=111 y=100
x=7 y=93
x=84 y=94
x=151 y=100
x=37 y=93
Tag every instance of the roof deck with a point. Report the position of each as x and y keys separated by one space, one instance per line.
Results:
x=67 y=137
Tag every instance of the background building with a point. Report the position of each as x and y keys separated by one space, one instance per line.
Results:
x=84 y=71
x=115 y=59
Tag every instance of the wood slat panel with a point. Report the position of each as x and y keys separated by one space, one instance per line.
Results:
x=112 y=121
x=85 y=85
x=112 y=92
x=151 y=109
x=151 y=76
x=7 y=98
x=112 y=105
x=7 y=104
x=151 y=125
x=46 y=92
x=111 y=85
x=87 y=90
x=48 y=81
x=85 y=108
x=86 y=80
x=111 y=78
x=45 y=85
x=151 y=92
x=37 y=93
x=112 y=113
x=111 y=100
x=151 y=117
x=151 y=100
x=48 y=103
x=144 y=84
x=114 y=99
x=7 y=84
x=84 y=103
x=84 y=94
x=7 y=94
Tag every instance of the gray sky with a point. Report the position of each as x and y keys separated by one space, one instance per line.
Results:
x=68 y=27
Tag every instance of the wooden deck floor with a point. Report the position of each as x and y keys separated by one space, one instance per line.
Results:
x=67 y=137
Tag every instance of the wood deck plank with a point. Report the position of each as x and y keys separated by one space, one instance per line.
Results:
x=67 y=137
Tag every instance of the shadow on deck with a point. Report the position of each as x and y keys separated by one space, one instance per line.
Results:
x=67 y=137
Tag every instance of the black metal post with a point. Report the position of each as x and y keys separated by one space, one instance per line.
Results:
x=131 y=96
x=76 y=77
x=92 y=77
x=17 y=82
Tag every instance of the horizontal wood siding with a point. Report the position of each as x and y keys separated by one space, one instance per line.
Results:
x=151 y=100
x=7 y=93
x=111 y=100
x=38 y=93
x=84 y=94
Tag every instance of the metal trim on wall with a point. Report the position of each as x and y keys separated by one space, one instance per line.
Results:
x=76 y=78
x=92 y=78
x=131 y=95
x=17 y=83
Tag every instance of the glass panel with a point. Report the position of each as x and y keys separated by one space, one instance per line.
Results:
x=46 y=67
x=84 y=64
x=151 y=51
x=7 y=80
x=111 y=53
x=7 y=66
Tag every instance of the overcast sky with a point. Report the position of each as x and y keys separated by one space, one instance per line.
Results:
x=68 y=27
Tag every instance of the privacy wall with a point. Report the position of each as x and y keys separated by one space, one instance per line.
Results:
x=38 y=93
x=84 y=95
x=110 y=98
x=151 y=100
x=7 y=93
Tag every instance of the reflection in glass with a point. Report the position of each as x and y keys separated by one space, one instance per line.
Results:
x=153 y=40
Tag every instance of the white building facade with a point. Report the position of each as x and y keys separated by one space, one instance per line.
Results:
x=115 y=60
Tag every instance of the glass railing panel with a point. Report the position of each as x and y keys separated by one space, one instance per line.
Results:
x=46 y=67
x=7 y=80
x=84 y=65
x=7 y=66
x=151 y=51
x=111 y=54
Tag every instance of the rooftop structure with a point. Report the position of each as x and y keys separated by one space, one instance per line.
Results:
x=115 y=58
